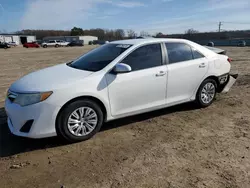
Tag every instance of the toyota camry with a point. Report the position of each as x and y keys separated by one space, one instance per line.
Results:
x=118 y=79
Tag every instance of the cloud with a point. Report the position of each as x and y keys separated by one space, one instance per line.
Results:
x=41 y=14
x=204 y=17
x=129 y=4
x=216 y=5
x=165 y=1
x=64 y=14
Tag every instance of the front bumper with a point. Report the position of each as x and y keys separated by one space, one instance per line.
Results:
x=43 y=115
x=229 y=83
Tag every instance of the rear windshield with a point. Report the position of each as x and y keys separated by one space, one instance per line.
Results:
x=100 y=57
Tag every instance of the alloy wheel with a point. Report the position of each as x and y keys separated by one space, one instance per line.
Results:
x=208 y=93
x=82 y=121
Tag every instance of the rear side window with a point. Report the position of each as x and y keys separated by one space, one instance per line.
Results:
x=196 y=54
x=145 y=57
x=178 y=52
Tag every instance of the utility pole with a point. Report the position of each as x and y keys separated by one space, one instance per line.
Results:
x=220 y=24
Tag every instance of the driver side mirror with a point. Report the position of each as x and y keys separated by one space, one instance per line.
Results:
x=122 y=68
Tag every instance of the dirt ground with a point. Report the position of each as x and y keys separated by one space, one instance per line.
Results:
x=178 y=147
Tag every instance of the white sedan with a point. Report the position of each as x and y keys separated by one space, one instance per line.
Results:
x=115 y=80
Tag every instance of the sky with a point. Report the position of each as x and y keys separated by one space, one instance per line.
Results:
x=152 y=16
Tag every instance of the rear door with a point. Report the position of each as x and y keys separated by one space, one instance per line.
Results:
x=186 y=69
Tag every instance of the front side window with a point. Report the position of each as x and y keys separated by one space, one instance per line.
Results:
x=147 y=56
x=178 y=52
x=99 y=58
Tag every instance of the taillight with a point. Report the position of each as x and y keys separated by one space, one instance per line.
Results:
x=229 y=60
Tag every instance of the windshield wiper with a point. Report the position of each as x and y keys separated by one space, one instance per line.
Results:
x=69 y=63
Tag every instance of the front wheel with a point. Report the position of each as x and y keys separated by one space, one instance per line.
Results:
x=206 y=93
x=79 y=121
x=45 y=46
x=56 y=45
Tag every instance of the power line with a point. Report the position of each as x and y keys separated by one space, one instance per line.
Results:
x=238 y=23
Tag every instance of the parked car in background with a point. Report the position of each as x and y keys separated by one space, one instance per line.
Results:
x=54 y=43
x=39 y=42
x=76 y=43
x=63 y=43
x=242 y=43
x=51 y=43
x=210 y=44
x=115 y=80
x=31 y=45
x=94 y=42
x=4 y=45
x=14 y=44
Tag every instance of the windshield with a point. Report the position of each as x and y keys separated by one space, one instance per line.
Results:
x=100 y=57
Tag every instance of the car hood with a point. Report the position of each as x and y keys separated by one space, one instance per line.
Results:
x=49 y=79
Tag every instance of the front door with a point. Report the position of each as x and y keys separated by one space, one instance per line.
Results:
x=142 y=88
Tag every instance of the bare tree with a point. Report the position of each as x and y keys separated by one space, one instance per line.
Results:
x=144 y=34
x=191 y=31
x=119 y=34
x=159 y=35
x=131 y=33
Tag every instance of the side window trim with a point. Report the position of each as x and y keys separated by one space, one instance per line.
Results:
x=162 y=54
x=165 y=53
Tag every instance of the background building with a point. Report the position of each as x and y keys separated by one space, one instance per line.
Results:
x=19 y=39
x=85 y=39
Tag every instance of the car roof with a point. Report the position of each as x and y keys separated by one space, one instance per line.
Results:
x=137 y=42
x=147 y=40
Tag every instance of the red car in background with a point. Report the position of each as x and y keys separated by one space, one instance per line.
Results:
x=31 y=45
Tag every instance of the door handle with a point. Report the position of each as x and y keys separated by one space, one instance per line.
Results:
x=161 y=73
x=202 y=65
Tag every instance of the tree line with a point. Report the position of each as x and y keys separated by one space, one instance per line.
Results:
x=119 y=34
x=102 y=34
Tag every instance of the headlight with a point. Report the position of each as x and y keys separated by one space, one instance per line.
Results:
x=31 y=98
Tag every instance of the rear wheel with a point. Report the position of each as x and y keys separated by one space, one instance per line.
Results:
x=79 y=120
x=45 y=46
x=56 y=45
x=206 y=93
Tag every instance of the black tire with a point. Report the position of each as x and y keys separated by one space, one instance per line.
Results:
x=199 y=100
x=56 y=45
x=62 y=119
x=45 y=46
